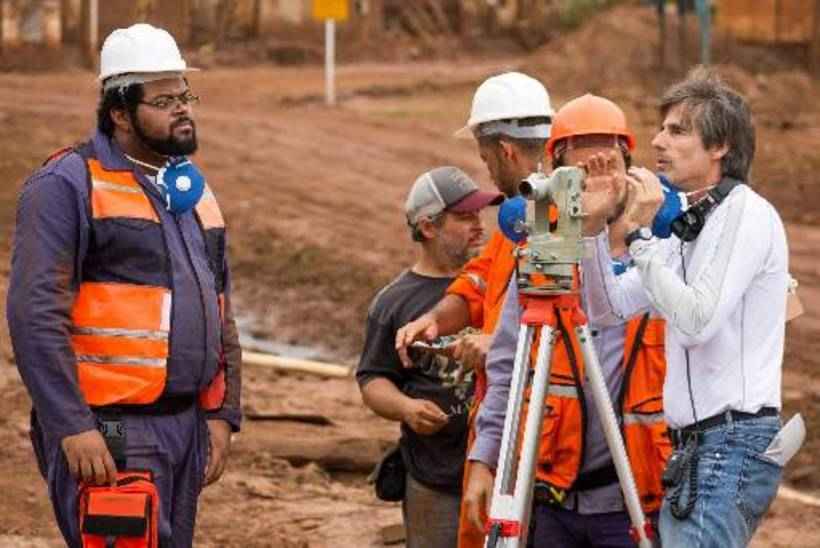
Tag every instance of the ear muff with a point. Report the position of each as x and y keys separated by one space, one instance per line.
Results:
x=689 y=224
x=181 y=184
x=512 y=214
x=674 y=203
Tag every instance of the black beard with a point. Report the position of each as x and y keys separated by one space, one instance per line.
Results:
x=171 y=146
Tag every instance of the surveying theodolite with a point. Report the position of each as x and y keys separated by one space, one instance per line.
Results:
x=548 y=283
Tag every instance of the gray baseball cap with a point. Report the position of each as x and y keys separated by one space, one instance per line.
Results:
x=446 y=189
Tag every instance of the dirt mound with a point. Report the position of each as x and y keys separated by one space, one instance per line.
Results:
x=37 y=58
x=615 y=55
x=616 y=50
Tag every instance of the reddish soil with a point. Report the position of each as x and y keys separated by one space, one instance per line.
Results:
x=313 y=197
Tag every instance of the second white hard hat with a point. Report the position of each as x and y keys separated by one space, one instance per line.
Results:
x=140 y=48
x=508 y=96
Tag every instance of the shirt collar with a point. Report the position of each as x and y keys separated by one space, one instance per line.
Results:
x=109 y=153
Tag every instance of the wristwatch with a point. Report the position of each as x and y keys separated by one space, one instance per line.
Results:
x=640 y=233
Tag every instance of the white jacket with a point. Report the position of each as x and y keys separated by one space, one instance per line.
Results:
x=724 y=299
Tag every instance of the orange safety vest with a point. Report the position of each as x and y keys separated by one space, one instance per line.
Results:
x=483 y=284
x=120 y=331
x=560 y=452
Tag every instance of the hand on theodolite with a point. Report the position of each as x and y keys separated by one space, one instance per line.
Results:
x=644 y=198
x=604 y=191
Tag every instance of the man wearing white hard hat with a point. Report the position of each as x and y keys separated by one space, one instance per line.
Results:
x=119 y=310
x=510 y=121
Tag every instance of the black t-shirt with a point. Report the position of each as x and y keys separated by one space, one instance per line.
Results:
x=436 y=460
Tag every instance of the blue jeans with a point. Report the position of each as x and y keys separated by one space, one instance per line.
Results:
x=736 y=484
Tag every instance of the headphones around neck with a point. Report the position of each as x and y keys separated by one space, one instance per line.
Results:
x=690 y=223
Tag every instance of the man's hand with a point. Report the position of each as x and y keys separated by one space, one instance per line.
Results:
x=424 y=327
x=89 y=459
x=602 y=185
x=478 y=494
x=471 y=350
x=218 y=449
x=644 y=198
x=423 y=416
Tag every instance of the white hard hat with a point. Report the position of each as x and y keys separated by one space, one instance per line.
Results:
x=140 y=48
x=509 y=96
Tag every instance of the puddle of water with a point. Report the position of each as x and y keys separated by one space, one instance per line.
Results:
x=250 y=342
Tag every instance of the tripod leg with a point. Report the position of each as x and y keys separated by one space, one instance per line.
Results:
x=612 y=432
x=512 y=501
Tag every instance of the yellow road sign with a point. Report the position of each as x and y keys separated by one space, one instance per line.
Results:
x=330 y=9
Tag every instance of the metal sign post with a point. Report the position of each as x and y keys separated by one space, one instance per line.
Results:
x=704 y=10
x=330 y=11
x=330 y=61
x=93 y=31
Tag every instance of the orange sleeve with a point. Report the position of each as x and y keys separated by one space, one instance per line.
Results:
x=471 y=283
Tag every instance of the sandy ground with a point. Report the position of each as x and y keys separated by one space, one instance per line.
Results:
x=313 y=197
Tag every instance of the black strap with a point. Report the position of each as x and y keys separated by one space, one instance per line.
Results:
x=113 y=431
x=166 y=405
x=719 y=192
x=594 y=479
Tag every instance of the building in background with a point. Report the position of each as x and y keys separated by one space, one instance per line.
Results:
x=768 y=21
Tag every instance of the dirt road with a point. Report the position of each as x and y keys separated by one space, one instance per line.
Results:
x=313 y=197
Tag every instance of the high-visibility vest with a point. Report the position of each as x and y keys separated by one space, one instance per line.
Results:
x=482 y=283
x=120 y=328
x=560 y=452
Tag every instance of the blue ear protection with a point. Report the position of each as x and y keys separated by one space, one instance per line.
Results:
x=619 y=266
x=674 y=203
x=181 y=184
x=512 y=214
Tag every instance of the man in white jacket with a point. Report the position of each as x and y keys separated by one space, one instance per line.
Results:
x=720 y=284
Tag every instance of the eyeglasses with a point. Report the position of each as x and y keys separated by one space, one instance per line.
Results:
x=166 y=102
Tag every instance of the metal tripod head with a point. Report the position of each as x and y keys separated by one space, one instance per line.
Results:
x=548 y=264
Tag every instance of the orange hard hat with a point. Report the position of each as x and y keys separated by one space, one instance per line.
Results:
x=589 y=115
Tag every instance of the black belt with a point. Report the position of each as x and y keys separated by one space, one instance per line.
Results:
x=594 y=479
x=544 y=493
x=679 y=436
x=166 y=405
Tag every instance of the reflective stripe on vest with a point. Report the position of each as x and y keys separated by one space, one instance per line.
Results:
x=118 y=194
x=642 y=418
x=562 y=391
x=120 y=337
